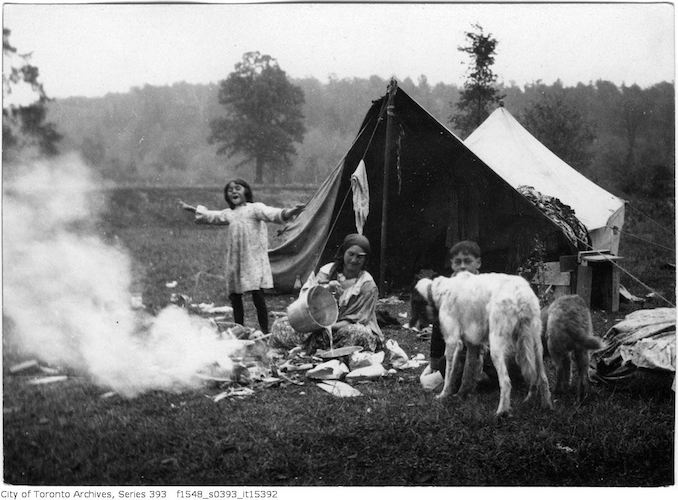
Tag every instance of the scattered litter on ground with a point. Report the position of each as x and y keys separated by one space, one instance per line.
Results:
x=643 y=339
x=48 y=380
x=430 y=381
x=423 y=334
x=340 y=389
x=212 y=309
x=627 y=296
x=171 y=284
x=369 y=372
x=254 y=365
x=396 y=355
x=271 y=381
x=390 y=301
x=27 y=366
x=339 y=352
x=136 y=301
x=367 y=358
x=292 y=365
x=170 y=462
x=180 y=299
x=414 y=362
x=290 y=380
x=49 y=371
x=333 y=369
x=566 y=449
x=239 y=393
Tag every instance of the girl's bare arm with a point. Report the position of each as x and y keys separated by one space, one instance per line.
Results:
x=186 y=206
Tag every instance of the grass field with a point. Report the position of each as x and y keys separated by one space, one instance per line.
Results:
x=395 y=434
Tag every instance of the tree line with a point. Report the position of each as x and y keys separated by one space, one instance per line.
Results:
x=620 y=137
x=297 y=130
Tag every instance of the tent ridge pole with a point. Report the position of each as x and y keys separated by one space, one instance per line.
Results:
x=388 y=141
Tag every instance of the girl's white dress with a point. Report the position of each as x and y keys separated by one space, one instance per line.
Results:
x=247 y=266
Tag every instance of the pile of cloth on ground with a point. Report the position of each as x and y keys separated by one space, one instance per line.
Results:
x=645 y=339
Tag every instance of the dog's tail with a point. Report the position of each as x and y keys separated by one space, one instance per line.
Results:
x=530 y=358
x=581 y=333
x=591 y=343
x=529 y=347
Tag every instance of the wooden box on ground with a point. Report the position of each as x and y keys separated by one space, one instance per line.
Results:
x=550 y=276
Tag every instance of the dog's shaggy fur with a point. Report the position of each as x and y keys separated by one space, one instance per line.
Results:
x=569 y=337
x=497 y=308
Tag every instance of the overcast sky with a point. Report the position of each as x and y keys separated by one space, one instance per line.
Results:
x=91 y=49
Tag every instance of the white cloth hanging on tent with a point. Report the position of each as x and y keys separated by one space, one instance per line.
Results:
x=361 y=196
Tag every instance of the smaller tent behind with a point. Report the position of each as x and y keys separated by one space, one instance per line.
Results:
x=520 y=159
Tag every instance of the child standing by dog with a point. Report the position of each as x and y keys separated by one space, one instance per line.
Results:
x=464 y=256
x=247 y=267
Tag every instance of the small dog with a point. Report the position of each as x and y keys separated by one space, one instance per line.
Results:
x=568 y=333
x=497 y=308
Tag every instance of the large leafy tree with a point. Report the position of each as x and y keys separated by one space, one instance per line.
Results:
x=479 y=93
x=24 y=105
x=264 y=115
x=560 y=125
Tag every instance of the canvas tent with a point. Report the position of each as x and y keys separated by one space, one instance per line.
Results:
x=520 y=159
x=439 y=192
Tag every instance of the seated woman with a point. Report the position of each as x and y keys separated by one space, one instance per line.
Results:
x=356 y=293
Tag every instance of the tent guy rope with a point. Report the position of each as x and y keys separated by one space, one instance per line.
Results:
x=628 y=273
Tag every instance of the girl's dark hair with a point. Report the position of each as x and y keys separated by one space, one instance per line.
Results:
x=243 y=183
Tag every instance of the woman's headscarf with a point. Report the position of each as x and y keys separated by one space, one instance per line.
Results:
x=355 y=239
x=349 y=241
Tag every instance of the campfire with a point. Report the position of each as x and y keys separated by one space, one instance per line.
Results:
x=243 y=363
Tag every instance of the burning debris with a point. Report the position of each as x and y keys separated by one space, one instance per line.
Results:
x=71 y=301
x=242 y=362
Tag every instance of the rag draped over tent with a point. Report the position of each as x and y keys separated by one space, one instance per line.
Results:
x=439 y=192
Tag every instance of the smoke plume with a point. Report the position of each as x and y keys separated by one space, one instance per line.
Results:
x=67 y=293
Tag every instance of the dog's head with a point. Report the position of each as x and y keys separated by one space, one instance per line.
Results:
x=419 y=317
x=432 y=291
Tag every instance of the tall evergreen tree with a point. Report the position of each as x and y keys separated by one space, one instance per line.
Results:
x=264 y=115
x=479 y=93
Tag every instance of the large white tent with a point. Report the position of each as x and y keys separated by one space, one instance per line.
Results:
x=520 y=159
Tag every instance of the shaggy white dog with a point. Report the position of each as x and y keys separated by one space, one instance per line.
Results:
x=497 y=308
